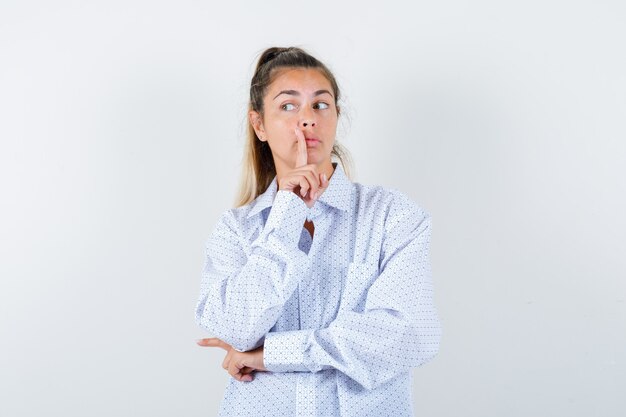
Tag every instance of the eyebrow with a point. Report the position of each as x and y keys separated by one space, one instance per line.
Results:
x=296 y=93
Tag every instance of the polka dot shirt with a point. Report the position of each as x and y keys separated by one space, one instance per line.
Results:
x=343 y=316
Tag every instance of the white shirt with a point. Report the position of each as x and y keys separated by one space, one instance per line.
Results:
x=343 y=316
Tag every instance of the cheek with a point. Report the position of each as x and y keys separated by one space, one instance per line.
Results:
x=281 y=130
x=278 y=131
x=330 y=124
x=281 y=137
x=276 y=124
x=330 y=118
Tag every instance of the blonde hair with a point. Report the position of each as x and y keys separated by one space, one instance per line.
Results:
x=258 y=168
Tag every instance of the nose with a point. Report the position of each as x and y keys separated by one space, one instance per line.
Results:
x=307 y=120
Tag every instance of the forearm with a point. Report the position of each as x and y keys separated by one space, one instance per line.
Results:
x=369 y=348
x=397 y=327
x=241 y=309
x=242 y=294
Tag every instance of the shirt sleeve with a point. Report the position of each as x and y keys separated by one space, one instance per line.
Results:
x=398 y=328
x=242 y=295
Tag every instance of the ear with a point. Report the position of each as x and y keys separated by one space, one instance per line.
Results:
x=257 y=123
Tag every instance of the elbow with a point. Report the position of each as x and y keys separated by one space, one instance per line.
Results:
x=420 y=341
x=426 y=345
x=199 y=312
x=202 y=317
x=208 y=318
x=239 y=339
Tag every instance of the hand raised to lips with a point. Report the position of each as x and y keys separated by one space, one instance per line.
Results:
x=304 y=180
x=303 y=156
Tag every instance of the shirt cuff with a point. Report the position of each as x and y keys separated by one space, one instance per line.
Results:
x=286 y=351
x=287 y=217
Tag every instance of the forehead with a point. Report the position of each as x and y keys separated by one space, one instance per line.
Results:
x=301 y=79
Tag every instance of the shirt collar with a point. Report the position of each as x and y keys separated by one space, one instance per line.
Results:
x=337 y=194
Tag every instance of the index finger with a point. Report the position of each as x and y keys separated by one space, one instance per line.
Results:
x=302 y=156
x=213 y=342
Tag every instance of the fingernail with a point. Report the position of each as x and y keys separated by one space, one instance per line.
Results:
x=325 y=179
x=317 y=193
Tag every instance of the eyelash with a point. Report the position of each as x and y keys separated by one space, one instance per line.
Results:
x=317 y=104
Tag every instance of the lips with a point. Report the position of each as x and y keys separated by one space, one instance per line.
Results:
x=312 y=142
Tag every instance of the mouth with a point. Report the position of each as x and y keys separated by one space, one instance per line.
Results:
x=312 y=142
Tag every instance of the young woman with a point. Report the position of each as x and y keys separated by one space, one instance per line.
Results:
x=318 y=288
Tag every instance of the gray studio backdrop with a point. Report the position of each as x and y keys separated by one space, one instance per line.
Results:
x=121 y=126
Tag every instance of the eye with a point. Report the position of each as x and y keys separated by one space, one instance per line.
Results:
x=284 y=106
x=321 y=105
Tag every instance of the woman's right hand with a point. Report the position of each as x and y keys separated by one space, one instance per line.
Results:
x=304 y=180
x=240 y=365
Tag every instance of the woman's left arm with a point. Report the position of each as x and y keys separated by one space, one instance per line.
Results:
x=398 y=328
